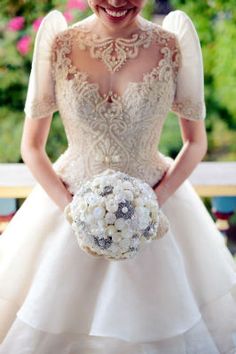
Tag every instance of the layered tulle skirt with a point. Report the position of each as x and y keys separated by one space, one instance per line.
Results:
x=178 y=296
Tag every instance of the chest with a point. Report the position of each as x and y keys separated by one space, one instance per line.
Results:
x=113 y=64
x=102 y=78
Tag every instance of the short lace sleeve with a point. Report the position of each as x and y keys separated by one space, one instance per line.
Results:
x=189 y=99
x=40 y=100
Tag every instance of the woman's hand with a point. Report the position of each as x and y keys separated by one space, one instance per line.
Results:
x=66 y=198
x=162 y=195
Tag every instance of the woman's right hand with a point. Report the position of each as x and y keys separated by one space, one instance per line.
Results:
x=67 y=213
x=67 y=196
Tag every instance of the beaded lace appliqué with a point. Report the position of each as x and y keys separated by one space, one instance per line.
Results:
x=103 y=134
x=189 y=109
x=41 y=108
x=114 y=52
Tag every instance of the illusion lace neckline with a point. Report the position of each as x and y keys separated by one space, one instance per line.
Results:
x=111 y=97
x=114 y=52
x=82 y=79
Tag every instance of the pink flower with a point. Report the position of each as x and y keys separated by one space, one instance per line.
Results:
x=37 y=23
x=77 y=4
x=68 y=15
x=16 y=23
x=23 y=44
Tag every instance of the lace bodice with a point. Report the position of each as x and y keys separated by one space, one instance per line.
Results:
x=117 y=122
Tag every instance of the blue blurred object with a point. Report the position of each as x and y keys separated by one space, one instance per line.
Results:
x=7 y=206
x=224 y=204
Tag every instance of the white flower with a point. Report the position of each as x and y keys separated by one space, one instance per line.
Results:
x=98 y=212
x=94 y=199
x=84 y=207
x=135 y=242
x=119 y=197
x=116 y=250
x=127 y=232
x=111 y=205
x=117 y=189
x=127 y=185
x=111 y=230
x=144 y=222
x=154 y=213
x=110 y=218
x=120 y=224
x=151 y=204
x=118 y=182
x=101 y=224
x=94 y=229
x=125 y=243
x=138 y=202
x=140 y=210
x=95 y=183
x=90 y=209
x=128 y=195
x=116 y=237
x=82 y=216
x=89 y=218
x=88 y=196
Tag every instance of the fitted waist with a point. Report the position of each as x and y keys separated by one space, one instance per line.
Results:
x=74 y=168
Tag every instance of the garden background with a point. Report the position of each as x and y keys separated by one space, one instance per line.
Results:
x=215 y=21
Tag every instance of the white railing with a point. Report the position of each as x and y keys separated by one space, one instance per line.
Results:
x=209 y=179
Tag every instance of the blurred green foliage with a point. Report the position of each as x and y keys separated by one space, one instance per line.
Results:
x=215 y=22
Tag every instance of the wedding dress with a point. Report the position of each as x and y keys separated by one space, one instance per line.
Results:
x=178 y=295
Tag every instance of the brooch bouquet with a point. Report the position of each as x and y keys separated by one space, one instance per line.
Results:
x=114 y=214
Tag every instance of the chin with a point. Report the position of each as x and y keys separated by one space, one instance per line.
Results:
x=114 y=18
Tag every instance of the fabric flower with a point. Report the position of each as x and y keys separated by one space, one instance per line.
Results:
x=110 y=218
x=120 y=224
x=111 y=206
x=98 y=212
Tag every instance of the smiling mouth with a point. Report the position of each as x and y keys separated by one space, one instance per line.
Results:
x=116 y=13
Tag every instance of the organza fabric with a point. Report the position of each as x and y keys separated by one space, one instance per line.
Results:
x=178 y=296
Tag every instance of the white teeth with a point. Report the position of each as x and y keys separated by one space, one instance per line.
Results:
x=116 y=13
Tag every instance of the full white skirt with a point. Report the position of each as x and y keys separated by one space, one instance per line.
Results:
x=178 y=296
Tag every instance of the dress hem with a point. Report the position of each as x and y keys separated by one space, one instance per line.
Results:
x=95 y=332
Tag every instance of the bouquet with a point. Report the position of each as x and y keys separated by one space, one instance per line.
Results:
x=114 y=214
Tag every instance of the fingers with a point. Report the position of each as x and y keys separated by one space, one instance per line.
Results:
x=67 y=213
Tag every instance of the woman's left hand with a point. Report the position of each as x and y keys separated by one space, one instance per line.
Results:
x=160 y=191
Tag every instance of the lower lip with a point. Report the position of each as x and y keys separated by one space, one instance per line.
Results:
x=116 y=19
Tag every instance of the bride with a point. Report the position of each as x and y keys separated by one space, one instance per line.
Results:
x=114 y=77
